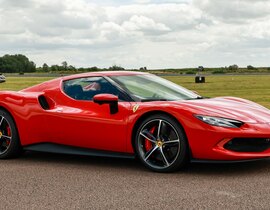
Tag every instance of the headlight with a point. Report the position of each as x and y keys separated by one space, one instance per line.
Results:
x=219 y=121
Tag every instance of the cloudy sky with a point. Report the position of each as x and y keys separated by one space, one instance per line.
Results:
x=135 y=33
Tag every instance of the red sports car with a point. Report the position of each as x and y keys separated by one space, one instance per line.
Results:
x=128 y=114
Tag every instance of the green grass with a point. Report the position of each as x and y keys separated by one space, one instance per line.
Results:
x=254 y=88
x=19 y=83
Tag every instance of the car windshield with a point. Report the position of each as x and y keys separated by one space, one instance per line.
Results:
x=148 y=87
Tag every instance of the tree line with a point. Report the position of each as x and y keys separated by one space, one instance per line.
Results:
x=21 y=64
x=16 y=64
x=69 y=68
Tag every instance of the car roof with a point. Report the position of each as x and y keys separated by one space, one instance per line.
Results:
x=103 y=73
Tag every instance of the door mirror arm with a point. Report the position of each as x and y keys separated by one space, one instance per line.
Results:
x=110 y=99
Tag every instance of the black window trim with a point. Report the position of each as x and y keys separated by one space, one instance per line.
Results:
x=125 y=95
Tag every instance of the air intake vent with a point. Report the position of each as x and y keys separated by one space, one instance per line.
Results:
x=248 y=144
x=43 y=102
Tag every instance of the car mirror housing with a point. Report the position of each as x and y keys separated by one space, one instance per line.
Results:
x=110 y=99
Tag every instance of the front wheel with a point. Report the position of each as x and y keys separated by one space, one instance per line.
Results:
x=161 y=144
x=9 y=141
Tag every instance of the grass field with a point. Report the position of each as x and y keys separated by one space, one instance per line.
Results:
x=255 y=88
x=19 y=83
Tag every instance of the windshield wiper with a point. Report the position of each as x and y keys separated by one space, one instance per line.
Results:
x=198 y=97
x=153 y=99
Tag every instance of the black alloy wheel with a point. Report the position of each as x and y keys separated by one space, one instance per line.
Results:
x=9 y=141
x=161 y=144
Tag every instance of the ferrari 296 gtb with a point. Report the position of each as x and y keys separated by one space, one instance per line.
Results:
x=128 y=114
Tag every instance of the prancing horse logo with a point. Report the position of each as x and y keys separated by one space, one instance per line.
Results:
x=135 y=107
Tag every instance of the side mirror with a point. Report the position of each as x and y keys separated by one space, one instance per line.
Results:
x=110 y=99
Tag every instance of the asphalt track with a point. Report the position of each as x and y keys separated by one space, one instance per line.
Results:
x=49 y=181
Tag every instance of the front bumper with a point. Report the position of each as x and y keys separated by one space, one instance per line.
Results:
x=213 y=143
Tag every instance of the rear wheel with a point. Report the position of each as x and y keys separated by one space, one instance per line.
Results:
x=161 y=144
x=9 y=141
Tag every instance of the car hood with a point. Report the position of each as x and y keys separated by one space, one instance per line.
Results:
x=230 y=107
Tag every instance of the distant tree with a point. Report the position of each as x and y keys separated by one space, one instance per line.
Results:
x=39 y=69
x=32 y=67
x=71 y=68
x=65 y=65
x=81 y=69
x=200 y=68
x=116 y=68
x=94 y=68
x=143 y=69
x=249 y=67
x=16 y=63
x=45 y=67
x=233 y=67
x=54 y=68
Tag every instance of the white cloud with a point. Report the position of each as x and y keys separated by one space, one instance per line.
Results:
x=135 y=33
x=234 y=11
x=145 y=24
x=142 y=1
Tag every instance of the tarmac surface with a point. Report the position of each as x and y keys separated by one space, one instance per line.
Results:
x=50 y=181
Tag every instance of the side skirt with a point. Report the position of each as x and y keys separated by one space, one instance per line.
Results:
x=227 y=161
x=64 y=149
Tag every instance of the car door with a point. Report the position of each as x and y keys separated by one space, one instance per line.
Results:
x=78 y=121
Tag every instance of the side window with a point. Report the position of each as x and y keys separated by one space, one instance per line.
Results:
x=86 y=88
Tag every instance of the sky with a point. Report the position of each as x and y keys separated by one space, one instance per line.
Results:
x=137 y=33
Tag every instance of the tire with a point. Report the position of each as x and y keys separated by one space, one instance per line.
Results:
x=161 y=144
x=10 y=146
